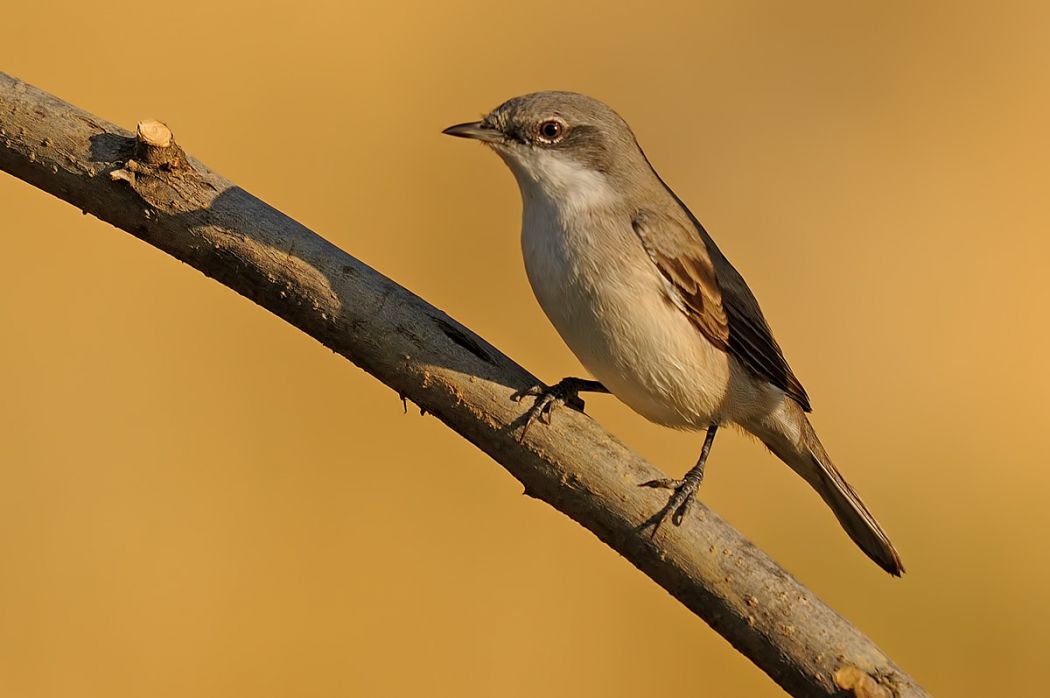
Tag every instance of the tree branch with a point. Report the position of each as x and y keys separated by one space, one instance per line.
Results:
x=145 y=184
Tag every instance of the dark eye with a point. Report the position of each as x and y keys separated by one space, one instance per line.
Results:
x=551 y=130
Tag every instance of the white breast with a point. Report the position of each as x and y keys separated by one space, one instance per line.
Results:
x=610 y=304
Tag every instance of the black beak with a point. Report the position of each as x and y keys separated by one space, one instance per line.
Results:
x=477 y=130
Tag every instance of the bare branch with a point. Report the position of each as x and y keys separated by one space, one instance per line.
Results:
x=145 y=184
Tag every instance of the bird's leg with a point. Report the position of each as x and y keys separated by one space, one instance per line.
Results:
x=565 y=392
x=684 y=490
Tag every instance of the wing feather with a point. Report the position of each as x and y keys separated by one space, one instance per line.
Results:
x=690 y=273
x=715 y=296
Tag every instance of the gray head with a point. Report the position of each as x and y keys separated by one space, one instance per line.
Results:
x=555 y=142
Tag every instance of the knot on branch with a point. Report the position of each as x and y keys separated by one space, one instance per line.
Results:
x=861 y=684
x=156 y=165
x=154 y=151
x=156 y=147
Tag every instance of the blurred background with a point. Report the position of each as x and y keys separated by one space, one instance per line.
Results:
x=196 y=499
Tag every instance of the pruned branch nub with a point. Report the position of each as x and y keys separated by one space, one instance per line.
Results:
x=155 y=146
x=153 y=133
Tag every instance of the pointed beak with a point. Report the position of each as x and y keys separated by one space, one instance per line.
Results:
x=476 y=130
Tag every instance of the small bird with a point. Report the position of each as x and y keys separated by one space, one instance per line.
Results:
x=648 y=303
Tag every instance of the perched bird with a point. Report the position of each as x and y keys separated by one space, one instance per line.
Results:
x=648 y=303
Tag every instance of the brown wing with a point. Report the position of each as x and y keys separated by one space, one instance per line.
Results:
x=715 y=296
x=687 y=266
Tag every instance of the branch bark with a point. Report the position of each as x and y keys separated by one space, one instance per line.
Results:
x=146 y=185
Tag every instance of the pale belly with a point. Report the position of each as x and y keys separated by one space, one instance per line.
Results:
x=610 y=305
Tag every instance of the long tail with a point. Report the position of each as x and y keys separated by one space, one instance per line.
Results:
x=789 y=435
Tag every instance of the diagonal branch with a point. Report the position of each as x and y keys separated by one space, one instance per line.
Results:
x=145 y=184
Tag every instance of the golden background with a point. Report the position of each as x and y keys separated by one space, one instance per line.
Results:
x=198 y=500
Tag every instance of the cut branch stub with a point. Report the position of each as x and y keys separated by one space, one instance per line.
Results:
x=156 y=147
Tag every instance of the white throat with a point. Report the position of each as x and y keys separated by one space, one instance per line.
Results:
x=550 y=180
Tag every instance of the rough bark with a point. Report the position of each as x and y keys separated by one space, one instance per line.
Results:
x=146 y=185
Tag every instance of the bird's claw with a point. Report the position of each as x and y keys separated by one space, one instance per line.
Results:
x=677 y=506
x=561 y=393
x=534 y=391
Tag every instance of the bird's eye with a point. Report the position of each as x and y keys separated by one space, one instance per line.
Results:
x=551 y=130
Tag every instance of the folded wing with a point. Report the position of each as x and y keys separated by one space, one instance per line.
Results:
x=714 y=295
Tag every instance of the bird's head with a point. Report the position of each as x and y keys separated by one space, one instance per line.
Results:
x=560 y=144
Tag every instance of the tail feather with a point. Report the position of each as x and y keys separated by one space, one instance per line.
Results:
x=789 y=435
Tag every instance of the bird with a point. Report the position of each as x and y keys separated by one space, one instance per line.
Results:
x=648 y=303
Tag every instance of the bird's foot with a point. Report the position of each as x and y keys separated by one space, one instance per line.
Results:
x=677 y=505
x=564 y=392
x=684 y=490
